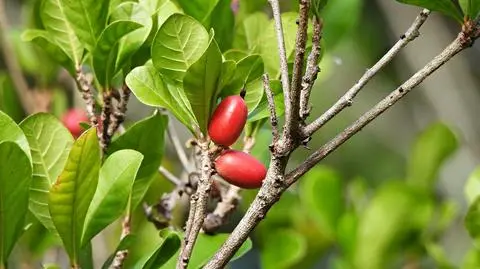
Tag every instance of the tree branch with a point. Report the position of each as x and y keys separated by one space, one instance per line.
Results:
x=85 y=87
x=347 y=99
x=274 y=185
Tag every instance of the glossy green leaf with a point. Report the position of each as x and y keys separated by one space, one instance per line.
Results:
x=322 y=194
x=198 y=9
x=165 y=250
x=472 y=187
x=50 y=142
x=9 y=131
x=62 y=31
x=262 y=111
x=179 y=43
x=106 y=52
x=147 y=137
x=235 y=55
x=446 y=7
x=201 y=82
x=432 y=147
x=222 y=22
x=205 y=248
x=113 y=191
x=73 y=191
x=131 y=42
x=9 y=101
x=44 y=40
x=124 y=244
x=395 y=212
x=248 y=32
x=248 y=69
x=15 y=178
x=281 y=249
x=153 y=89
x=88 y=18
x=471 y=8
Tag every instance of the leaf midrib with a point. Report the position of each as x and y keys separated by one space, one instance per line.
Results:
x=67 y=24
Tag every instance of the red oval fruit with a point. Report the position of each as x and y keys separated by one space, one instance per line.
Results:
x=240 y=169
x=228 y=120
x=72 y=118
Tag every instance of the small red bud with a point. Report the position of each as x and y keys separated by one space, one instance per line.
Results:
x=228 y=120
x=240 y=169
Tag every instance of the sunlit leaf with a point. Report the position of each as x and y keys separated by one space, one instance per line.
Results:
x=9 y=131
x=248 y=32
x=282 y=249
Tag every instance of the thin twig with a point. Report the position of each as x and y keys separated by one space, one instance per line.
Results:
x=271 y=107
x=171 y=177
x=270 y=192
x=312 y=69
x=85 y=87
x=198 y=201
x=347 y=99
x=173 y=136
x=121 y=255
x=13 y=66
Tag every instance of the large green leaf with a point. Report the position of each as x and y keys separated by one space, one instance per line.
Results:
x=15 y=178
x=162 y=253
x=248 y=69
x=471 y=8
x=227 y=73
x=44 y=40
x=446 y=7
x=262 y=111
x=248 y=32
x=201 y=82
x=113 y=191
x=432 y=147
x=222 y=22
x=62 y=31
x=472 y=187
x=106 y=51
x=9 y=131
x=153 y=89
x=396 y=212
x=283 y=248
x=179 y=43
x=131 y=42
x=73 y=191
x=198 y=9
x=87 y=18
x=147 y=137
x=322 y=194
x=50 y=143
x=205 y=247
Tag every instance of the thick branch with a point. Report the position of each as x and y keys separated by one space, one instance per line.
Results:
x=347 y=99
x=311 y=70
x=274 y=185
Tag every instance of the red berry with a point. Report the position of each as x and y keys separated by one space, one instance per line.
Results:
x=228 y=120
x=240 y=169
x=72 y=118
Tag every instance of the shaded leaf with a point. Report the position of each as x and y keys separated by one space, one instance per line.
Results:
x=472 y=221
x=470 y=8
x=282 y=249
x=222 y=22
x=198 y=9
x=73 y=191
x=248 y=69
x=317 y=6
x=165 y=250
x=340 y=26
x=113 y=191
x=50 y=142
x=446 y=7
x=15 y=178
x=235 y=55
x=9 y=101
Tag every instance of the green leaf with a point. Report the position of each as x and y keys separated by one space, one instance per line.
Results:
x=248 y=32
x=9 y=101
x=147 y=137
x=73 y=191
x=15 y=178
x=432 y=147
x=205 y=248
x=235 y=55
x=262 y=110
x=44 y=40
x=62 y=31
x=50 y=142
x=472 y=221
x=198 y=9
x=201 y=82
x=340 y=27
x=153 y=89
x=106 y=52
x=471 y=8
x=317 y=6
x=347 y=233
x=322 y=194
x=281 y=249
x=179 y=43
x=446 y=7
x=113 y=191
x=87 y=18
x=9 y=131
x=472 y=187
x=131 y=42
x=222 y=22
x=248 y=69
x=387 y=221
x=227 y=73
x=165 y=250
x=124 y=244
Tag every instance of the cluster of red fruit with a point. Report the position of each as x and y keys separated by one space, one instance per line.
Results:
x=236 y=167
